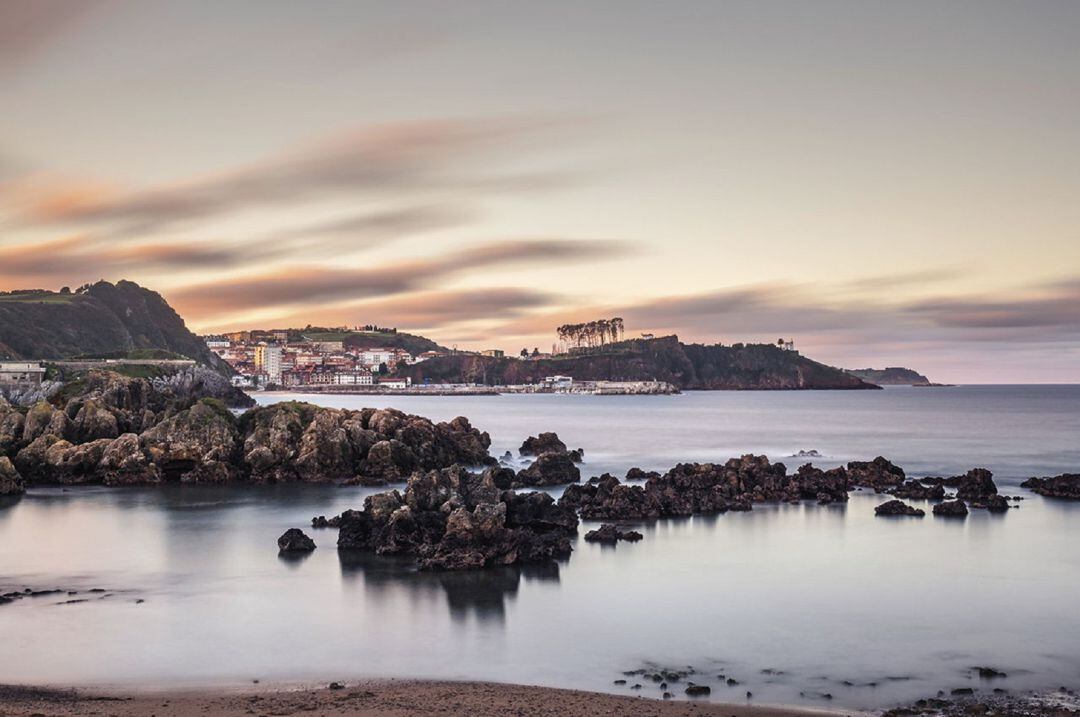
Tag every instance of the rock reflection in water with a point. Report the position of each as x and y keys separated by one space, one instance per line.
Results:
x=481 y=594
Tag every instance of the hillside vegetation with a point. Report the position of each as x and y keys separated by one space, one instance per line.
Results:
x=102 y=320
x=688 y=366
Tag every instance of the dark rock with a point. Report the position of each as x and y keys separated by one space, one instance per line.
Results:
x=454 y=519
x=551 y=468
x=995 y=503
x=951 y=509
x=544 y=443
x=608 y=533
x=693 y=690
x=898 y=507
x=879 y=474
x=1066 y=485
x=917 y=490
x=988 y=673
x=975 y=485
x=294 y=540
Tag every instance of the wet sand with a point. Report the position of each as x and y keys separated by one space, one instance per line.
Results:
x=394 y=698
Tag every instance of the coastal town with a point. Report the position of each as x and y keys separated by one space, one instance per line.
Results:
x=361 y=359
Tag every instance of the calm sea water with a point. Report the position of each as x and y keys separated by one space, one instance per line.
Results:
x=871 y=611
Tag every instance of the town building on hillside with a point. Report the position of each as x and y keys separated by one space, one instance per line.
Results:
x=494 y=353
x=395 y=382
x=374 y=357
x=268 y=361
x=217 y=342
x=21 y=373
x=328 y=347
x=354 y=378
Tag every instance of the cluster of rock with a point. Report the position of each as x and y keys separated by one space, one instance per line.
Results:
x=691 y=488
x=976 y=487
x=117 y=430
x=1066 y=485
x=453 y=519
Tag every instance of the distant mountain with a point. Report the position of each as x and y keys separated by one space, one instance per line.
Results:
x=891 y=376
x=101 y=320
x=688 y=366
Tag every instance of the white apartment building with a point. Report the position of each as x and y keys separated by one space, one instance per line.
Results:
x=374 y=357
x=353 y=378
x=268 y=361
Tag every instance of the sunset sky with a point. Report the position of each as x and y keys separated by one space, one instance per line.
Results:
x=886 y=183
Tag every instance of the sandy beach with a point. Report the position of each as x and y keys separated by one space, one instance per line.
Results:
x=396 y=698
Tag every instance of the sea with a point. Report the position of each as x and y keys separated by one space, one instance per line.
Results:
x=819 y=606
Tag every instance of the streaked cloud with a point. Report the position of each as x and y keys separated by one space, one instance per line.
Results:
x=380 y=162
x=315 y=286
x=28 y=26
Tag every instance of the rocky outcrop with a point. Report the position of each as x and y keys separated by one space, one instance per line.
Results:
x=454 y=519
x=691 y=488
x=543 y=443
x=11 y=483
x=294 y=540
x=608 y=533
x=975 y=485
x=879 y=474
x=199 y=445
x=951 y=509
x=898 y=507
x=1066 y=485
x=550 y=468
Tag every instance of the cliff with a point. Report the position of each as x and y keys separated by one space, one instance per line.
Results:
x=891 y=376
x=688 y=366
x=103 y=320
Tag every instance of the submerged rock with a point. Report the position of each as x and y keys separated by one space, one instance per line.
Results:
x=608 y=533
x=295 y=540
x=898 y=507
x=917 y=490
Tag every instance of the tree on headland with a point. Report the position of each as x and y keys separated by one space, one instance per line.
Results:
x=592 y=333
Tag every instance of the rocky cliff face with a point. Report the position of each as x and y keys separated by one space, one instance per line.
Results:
x=105 y=320
x=688 y=366
x=891 y=376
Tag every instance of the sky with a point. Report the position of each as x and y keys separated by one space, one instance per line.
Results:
x=885 y=183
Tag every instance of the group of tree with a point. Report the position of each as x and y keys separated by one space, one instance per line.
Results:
x=591 y=333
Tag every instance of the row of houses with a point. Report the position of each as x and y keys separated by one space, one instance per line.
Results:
x=308 y=362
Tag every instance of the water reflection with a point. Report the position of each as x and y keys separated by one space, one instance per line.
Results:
x=470 y=594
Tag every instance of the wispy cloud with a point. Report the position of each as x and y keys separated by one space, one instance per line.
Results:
x=380 y=162
x=315 y=286
x=28 y=26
